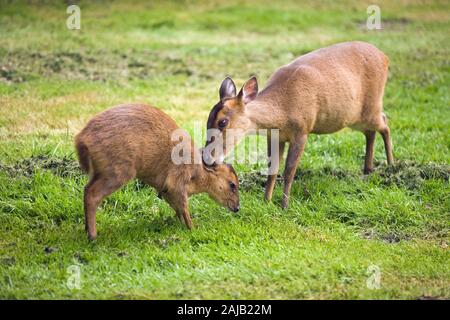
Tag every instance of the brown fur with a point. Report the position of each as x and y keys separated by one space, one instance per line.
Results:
x=321 y=92
x=131 y=141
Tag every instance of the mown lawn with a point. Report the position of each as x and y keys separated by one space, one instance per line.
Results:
x=341 y=225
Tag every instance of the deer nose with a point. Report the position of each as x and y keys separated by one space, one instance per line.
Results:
x=236 y=209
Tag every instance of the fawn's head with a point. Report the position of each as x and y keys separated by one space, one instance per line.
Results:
x=223 y=185
x=228 y=118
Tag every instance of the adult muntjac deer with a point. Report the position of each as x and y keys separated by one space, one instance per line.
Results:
x=320 y=92
x=131 y=141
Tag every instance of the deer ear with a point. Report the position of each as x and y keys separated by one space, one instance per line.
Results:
x=249 y=90
x=227 y=89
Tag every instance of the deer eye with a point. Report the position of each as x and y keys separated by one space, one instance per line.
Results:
x=223 y=123
x=232 y=186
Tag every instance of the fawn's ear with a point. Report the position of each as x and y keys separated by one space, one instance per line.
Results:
x=249 y=90
x=227 y=89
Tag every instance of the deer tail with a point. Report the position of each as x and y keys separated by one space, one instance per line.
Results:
x=83 y=155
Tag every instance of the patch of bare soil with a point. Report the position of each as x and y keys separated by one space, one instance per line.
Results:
x=63 y=167
x=20 y=66
x=404 y=173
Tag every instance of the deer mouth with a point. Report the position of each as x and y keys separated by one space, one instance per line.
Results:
x=233 y=207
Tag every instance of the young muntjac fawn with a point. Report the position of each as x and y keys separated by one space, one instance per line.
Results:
x=321 y=92
x=131 y=141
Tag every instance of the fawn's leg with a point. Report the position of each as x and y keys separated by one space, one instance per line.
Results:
x=186 y=216
x=179 y=202
x=295 y=152
x=94 y=192
x=368 y=161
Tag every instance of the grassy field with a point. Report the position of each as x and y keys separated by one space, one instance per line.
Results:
x=340 y=226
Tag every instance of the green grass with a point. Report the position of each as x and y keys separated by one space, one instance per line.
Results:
x=174 y=55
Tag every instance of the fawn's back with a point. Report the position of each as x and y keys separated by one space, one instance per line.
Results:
x=129 y=139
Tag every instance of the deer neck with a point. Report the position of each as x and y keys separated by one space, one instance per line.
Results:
x=261 y=113
x=200 y=177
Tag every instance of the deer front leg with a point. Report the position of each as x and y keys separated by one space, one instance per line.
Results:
x=179 y=202
x=294 y=154
x=186 y=218
x=274 y=166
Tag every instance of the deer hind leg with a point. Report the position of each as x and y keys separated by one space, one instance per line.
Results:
x=377 y=124
x=370 y=141
x=386 y=134
x=95 y=191
x=295 y=152
x=274 y=166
